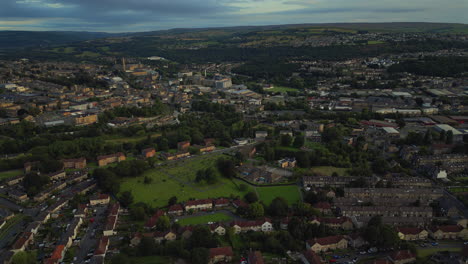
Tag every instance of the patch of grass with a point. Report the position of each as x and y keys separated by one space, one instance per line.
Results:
x=204 y=219
x=281 y=89
x=11 y=222
x=458 y=189
x=177 y=179
x=121 y=140
x=329 y=170
x=89 y=54
x=374 y=42
x=425 y=252
x=10 y=174
x=290 y=193
x=151 y=260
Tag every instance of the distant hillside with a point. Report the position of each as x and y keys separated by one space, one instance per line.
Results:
x=23 y=39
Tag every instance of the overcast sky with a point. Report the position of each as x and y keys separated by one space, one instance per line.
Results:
x=146 y=15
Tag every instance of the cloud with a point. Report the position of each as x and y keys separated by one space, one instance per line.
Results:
x=141 y=15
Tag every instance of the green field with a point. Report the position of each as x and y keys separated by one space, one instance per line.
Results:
x=11 y=222
x=374 y=42
x=329 y=170
x=120 y=140
x=281 y=89
x=426 y=252
x=10 y=174
x=177 y=180
x=152 y=260
x=457 y=190
x=290 y=193
x=204 y=219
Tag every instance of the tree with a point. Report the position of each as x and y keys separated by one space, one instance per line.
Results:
x=147 y=246
x=172 y=200
x=286 y=140
x=163 y=223
x=107 y=180
x=200 y=255
x=138 y=213
x=126 y=199
x=202 y=237
x=256 y=210
x=34 y=183
x=299 y=141
x=278 y=207
x=251 y=197
x=226 y=167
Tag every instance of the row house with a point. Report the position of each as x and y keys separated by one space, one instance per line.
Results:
x=395 y=221
x=79 y=163
x=42 y=196
x=196 y=205
x=347 y=201
x=14 y=180
x=57 y=255
x=264 y=225
x=220 y=255
x=102 y=247
x=72 y=232
x=394 y=211
x=58 y=175
x=409 y=193
x=448 y=232
x=112 y=158
x=176 y=156
x=402 y=257
x=327 y=243
x=100 y=199
x=22 y=242
x=344 y=223
x=158 y=237
x=411 y=233
x=111 y=222
x=176 y=209
x=77 y=176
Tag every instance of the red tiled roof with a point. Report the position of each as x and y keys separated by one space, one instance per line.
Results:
x=102 y=196
x=114 y=209
x=57 y=254
x=152 y=221
x=312 y=257
x=409 y=230
x=176 y=208
x=22 y=240
x=255 y=258
x=402 y=254
x=110 y=224
x=221 y=201
x=198 y=202
x=102 y=246
x=447 y=228
x=221 y=251
x=252 y=223
x=146 y=150
x=322 y=205
x=240 y=203
x=329 y=240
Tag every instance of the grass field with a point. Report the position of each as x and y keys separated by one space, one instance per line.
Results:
x=458 y=190
x=177 y=180
x=204 y=219
x=290 y=193
x=281 y=89
x=329 y=170
x=11 y=222
x=10 y=174
x=422 y=253
x=120 y=140
x=152 y=260
x=374 y=42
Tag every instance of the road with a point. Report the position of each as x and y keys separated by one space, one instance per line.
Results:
x=89 y=242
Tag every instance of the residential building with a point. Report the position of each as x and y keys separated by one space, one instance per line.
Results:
x=112 y=158
x=222 y=254
x=327 y=243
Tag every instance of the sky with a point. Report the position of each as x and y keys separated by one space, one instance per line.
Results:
x=147 y=15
